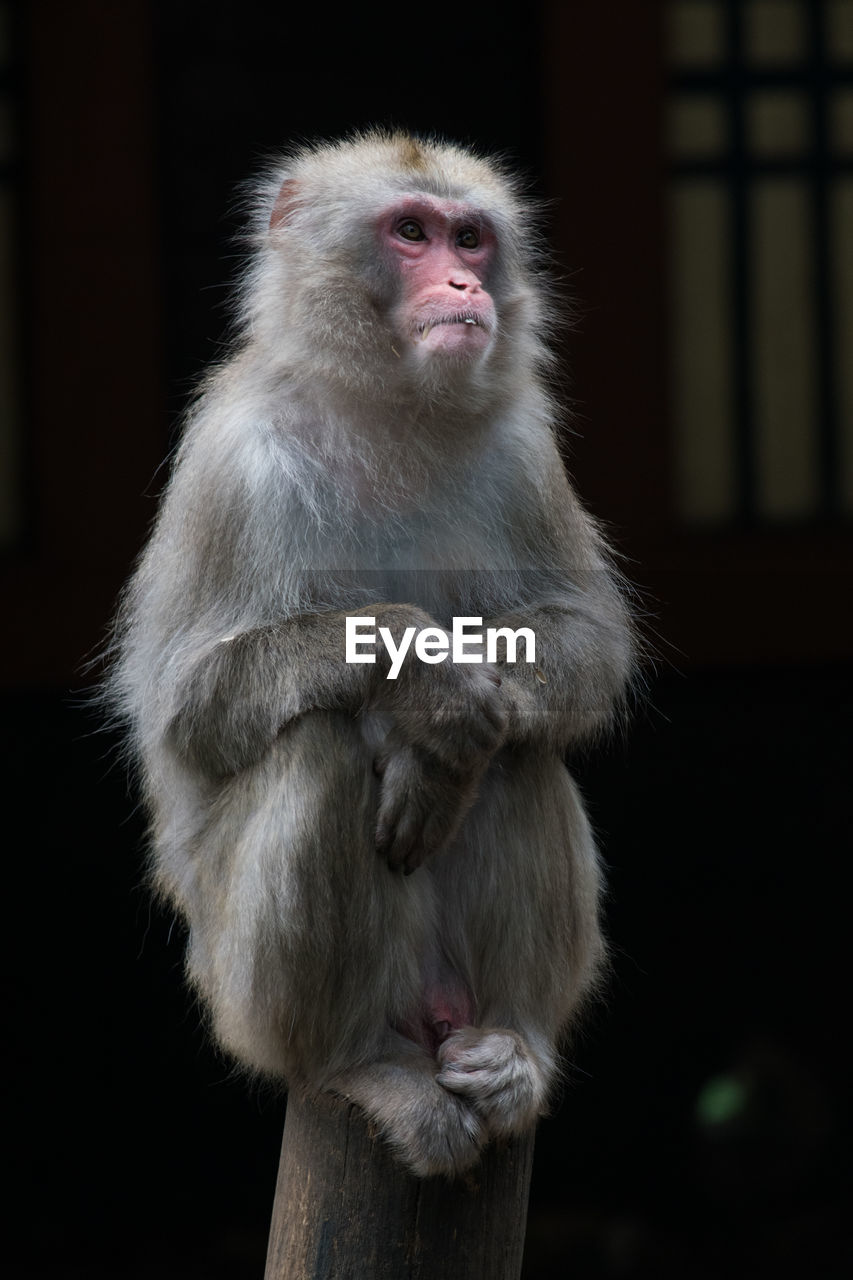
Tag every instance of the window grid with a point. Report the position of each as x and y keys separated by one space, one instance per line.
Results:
x=733 y=82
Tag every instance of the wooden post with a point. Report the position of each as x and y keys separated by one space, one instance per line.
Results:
x=346 y=1210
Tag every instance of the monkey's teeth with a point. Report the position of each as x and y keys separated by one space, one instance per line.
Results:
x=427 y=331
x=470 y=320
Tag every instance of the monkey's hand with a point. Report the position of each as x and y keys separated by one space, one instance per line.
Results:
x=421 y=805
x=454 y=712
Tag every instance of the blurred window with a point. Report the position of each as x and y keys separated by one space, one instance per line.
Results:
x=11 y=505
x=760 y=148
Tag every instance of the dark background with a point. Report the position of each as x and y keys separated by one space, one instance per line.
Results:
x=703 y=1133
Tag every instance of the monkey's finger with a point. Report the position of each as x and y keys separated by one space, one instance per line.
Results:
x=402 y=837
x=393 y=792
x=415 y=859
x=409 y=834
x=459 y=1079
x=386 y=823
x=386 y=834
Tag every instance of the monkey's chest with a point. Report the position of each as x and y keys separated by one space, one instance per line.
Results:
x=447 y=568
x=449 y=538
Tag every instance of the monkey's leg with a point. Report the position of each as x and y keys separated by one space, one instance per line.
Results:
x=432 y=1130
x=303 y=942
x=518 y=896
x=322 y=964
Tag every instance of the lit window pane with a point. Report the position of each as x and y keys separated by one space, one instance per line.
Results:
x=842 y=257
x=783 y=355
x=778 y=123
x=695 y=32
x=774 y=31
x=696 y=126
x=700 y=308
x=841 y=121
x=839 y=25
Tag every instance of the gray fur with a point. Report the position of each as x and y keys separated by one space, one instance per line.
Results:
x=323 y=472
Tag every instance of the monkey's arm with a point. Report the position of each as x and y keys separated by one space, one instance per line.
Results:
x=584 y=655
x=585 y=643
x=579 y=679
x=237 y=697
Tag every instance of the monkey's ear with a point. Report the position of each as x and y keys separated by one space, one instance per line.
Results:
x=284 y=202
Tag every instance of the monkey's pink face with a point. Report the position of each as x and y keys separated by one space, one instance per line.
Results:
x=440 y=252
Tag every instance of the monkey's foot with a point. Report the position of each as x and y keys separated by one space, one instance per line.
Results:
x=437 y=1138
x=495 y=1070
x=430 y=1130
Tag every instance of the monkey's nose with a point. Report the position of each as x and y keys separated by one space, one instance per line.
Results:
x=470 y=285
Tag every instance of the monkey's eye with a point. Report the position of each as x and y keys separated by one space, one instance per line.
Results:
x=468 y=238
x=411 y=230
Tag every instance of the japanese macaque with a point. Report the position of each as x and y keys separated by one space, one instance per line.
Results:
x=390 y=883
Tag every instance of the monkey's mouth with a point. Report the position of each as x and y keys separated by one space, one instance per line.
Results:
x=455 y=318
